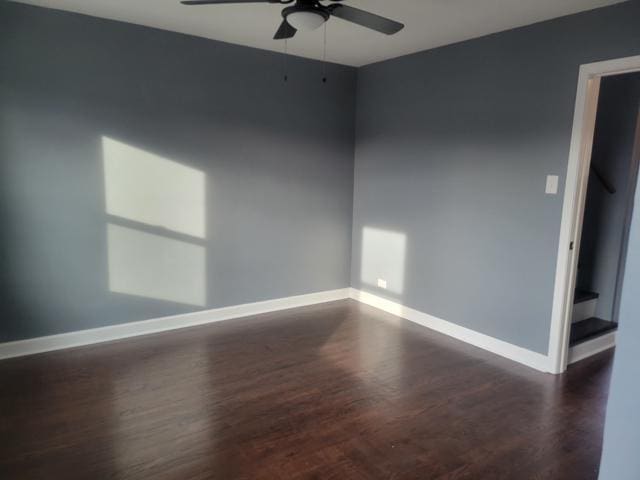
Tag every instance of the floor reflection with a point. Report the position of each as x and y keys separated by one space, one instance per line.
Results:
x=339 y=390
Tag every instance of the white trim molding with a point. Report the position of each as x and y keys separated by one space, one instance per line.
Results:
x=592 y=347
x=518 y=354
x=507 y=350
x=133 y=329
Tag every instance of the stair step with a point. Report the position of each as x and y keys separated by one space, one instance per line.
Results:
x=584 y=296
x=589 y=329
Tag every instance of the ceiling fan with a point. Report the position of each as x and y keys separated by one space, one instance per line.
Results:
x=311 y=14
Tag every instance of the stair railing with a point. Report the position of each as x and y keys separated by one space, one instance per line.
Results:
x=605 y=183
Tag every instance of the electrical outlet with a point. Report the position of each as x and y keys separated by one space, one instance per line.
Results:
x=382 y=283
x=552 y=185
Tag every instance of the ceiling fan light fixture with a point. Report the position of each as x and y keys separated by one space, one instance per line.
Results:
x=306 y=20
x=312 y=14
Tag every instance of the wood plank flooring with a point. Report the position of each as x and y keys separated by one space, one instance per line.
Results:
x=333 y=391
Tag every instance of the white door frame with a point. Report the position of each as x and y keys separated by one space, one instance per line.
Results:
x=584 y=120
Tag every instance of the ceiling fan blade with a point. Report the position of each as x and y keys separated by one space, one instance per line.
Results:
x=366 y=19
x=285 y=31
x=219 y=2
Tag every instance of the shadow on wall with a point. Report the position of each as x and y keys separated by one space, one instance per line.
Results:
x=156 y=225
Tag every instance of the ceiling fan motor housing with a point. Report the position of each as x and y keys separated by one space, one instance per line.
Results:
x=306 y=15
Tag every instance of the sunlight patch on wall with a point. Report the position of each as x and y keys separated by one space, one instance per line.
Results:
x=153 y=266
x=146 y=188
x=383 y=258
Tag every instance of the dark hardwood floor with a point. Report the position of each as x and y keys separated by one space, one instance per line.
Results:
x=333 y=391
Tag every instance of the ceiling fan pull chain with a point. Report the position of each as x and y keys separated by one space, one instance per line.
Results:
x=286 y=77
x=324 y=56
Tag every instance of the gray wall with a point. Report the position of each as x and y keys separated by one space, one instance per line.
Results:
x=605 y=213
x=620 y=459
x=277 y=159
x=453 y=146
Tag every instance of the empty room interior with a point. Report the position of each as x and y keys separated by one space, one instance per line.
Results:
x=319 y=239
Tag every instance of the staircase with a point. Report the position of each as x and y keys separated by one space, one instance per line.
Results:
x=584 y=324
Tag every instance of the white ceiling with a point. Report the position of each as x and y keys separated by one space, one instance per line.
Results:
x=429 y=23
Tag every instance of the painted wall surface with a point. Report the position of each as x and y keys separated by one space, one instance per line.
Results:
x=620 y=459
x=146 y=173
x=453 y=146
x=606 y=213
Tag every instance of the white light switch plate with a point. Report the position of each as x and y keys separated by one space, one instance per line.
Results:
x=552 y=185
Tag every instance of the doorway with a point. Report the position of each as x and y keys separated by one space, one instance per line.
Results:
x=601 y=179
x=612 y=175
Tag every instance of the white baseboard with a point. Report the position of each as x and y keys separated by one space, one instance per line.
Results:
x=115 y=332
x=591 y=347
x=133 y=329
x=499 y=347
